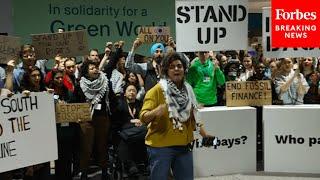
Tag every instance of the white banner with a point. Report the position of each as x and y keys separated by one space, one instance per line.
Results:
x=27 y=131
x=235 y=151
x=292 y=138
x=204 y=25
x=270 y=52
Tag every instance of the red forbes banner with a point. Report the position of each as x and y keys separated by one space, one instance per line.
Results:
x=295 y=23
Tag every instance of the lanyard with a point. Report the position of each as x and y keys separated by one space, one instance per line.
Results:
x=132 y=113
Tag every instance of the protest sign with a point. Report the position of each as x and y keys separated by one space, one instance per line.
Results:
x=154 y=34
x=235 y=131
x=68 y=44
x=248 y=93
x=73 y=112
x=9 y=48
x=203 y=25
x=291 y=138
x=27 y=131
x=270 y=52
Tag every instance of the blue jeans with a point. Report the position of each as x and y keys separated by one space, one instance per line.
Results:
x=178 y=158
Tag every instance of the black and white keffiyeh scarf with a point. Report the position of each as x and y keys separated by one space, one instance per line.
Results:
x=95 y=90
x=180 y=102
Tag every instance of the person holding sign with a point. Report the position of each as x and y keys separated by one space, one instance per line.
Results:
x=204 y=76
x=68 y=132
x=168 y=112
x=6 y=92
x=151 y=70
x=290 y=85
x=33 y=82
x=94 y=134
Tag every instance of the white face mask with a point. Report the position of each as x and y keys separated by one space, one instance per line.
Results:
x=232 y=73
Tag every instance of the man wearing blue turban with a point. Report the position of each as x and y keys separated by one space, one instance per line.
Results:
x=150 y=71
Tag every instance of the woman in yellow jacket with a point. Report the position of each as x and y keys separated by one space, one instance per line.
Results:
x=168 y=112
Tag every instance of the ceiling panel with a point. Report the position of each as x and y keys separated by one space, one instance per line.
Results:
x=255 y=6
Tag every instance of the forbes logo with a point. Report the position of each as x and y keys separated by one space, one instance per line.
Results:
x=281 y=14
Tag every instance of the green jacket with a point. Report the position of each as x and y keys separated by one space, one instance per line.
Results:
x=204 y=79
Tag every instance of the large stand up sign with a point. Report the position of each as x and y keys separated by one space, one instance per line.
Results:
x=270 y=52
x=204 y=25
x=27 y=131
x=68 y=44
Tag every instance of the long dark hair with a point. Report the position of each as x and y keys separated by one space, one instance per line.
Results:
x=126 y=78
x=54 y=72
x=26 y=81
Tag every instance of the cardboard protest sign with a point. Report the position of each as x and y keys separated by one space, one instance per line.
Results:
x=73 y=112
x=270 y=52
x=154 y=34
x=204 y=25
x=9 y=48
x=27 y=131
x=68 y=44
x=248 y=93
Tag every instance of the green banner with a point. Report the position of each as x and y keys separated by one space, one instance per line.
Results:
x=104 y=20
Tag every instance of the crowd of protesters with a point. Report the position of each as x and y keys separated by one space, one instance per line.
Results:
x=158 y=96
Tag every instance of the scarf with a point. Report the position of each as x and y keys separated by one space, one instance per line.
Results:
x=95 y=90
x=179 y=102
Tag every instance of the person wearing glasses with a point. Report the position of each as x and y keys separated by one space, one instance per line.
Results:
x=168 y=113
